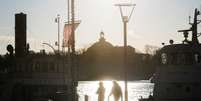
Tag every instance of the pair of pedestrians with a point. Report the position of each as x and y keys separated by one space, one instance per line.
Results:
x=116 y=92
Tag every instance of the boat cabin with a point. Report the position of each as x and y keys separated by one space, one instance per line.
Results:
x=180 y=54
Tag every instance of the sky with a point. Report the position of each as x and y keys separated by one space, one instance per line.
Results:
x=152 y=23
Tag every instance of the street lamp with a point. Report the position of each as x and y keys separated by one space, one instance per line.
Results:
x=57 y=20
x=50 y=46
x=125 y=19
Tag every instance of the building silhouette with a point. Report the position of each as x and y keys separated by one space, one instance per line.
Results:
x=30 y=76
x=104 y=61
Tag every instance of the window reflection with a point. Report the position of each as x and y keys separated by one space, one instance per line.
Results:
x=186 y=58
x=197 y=57
x=164 y=58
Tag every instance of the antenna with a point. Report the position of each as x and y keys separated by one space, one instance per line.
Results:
x=189 y=20
x=199 y=13
x=200 y=7
x=199 y=21
x=185 y=33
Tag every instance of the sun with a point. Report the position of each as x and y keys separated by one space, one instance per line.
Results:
x=90 y=89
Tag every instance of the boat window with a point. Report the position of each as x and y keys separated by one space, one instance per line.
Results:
x=189 y=58
x=164 y=58
x=197 y=57
x=179 y=59
x=51 y=67
x=37 y=67
x=185 y=58
x=172 y=58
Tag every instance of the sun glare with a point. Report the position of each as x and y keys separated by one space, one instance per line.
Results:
x=108 y=86
x=92 y=88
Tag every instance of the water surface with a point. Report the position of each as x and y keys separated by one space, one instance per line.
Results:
x=136 y=89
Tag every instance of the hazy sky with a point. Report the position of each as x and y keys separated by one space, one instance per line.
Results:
x=153 y=21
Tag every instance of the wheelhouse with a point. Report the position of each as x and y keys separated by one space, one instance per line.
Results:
x=180 y=54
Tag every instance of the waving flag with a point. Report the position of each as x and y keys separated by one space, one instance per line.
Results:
x=67 y=33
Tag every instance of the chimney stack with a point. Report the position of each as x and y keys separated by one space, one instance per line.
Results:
x=20 y=35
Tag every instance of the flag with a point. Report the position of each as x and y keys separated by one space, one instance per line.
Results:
x=67 y=34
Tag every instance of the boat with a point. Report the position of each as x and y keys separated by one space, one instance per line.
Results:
x=178 y=73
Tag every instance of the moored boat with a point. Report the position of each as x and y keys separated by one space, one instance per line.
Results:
x=177 y=77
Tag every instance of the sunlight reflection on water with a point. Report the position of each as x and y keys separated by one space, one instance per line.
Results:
x=135 y=89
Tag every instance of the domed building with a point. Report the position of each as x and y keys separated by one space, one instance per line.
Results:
x=100 y=48
x=103 y=61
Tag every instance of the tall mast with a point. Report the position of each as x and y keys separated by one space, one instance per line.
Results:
x=194 y=28
x=73 y=62
x=68 y=23
x=58 y=21
x=73 y=26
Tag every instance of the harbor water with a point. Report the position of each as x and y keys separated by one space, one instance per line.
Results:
x=136 y=90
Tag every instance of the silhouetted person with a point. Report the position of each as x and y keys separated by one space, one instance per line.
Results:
x=101 y=92
x=116 y=91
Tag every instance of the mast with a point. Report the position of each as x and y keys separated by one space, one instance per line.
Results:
x=68 y=23
x=194 y=28
x=73 y=58
x=58 y=22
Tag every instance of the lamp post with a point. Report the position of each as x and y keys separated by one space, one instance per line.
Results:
x=50 y=46
x=125 y=20
x=57 y=20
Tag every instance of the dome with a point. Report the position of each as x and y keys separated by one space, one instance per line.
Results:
x=101 y=45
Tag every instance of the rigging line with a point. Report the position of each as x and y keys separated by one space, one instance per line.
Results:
x=131 y=13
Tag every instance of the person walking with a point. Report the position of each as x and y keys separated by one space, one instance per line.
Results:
x=101 y=92
x=116 y=91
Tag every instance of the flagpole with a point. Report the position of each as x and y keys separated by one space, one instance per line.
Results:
x=73 y=68
x=58 y=22
x=68 y=44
